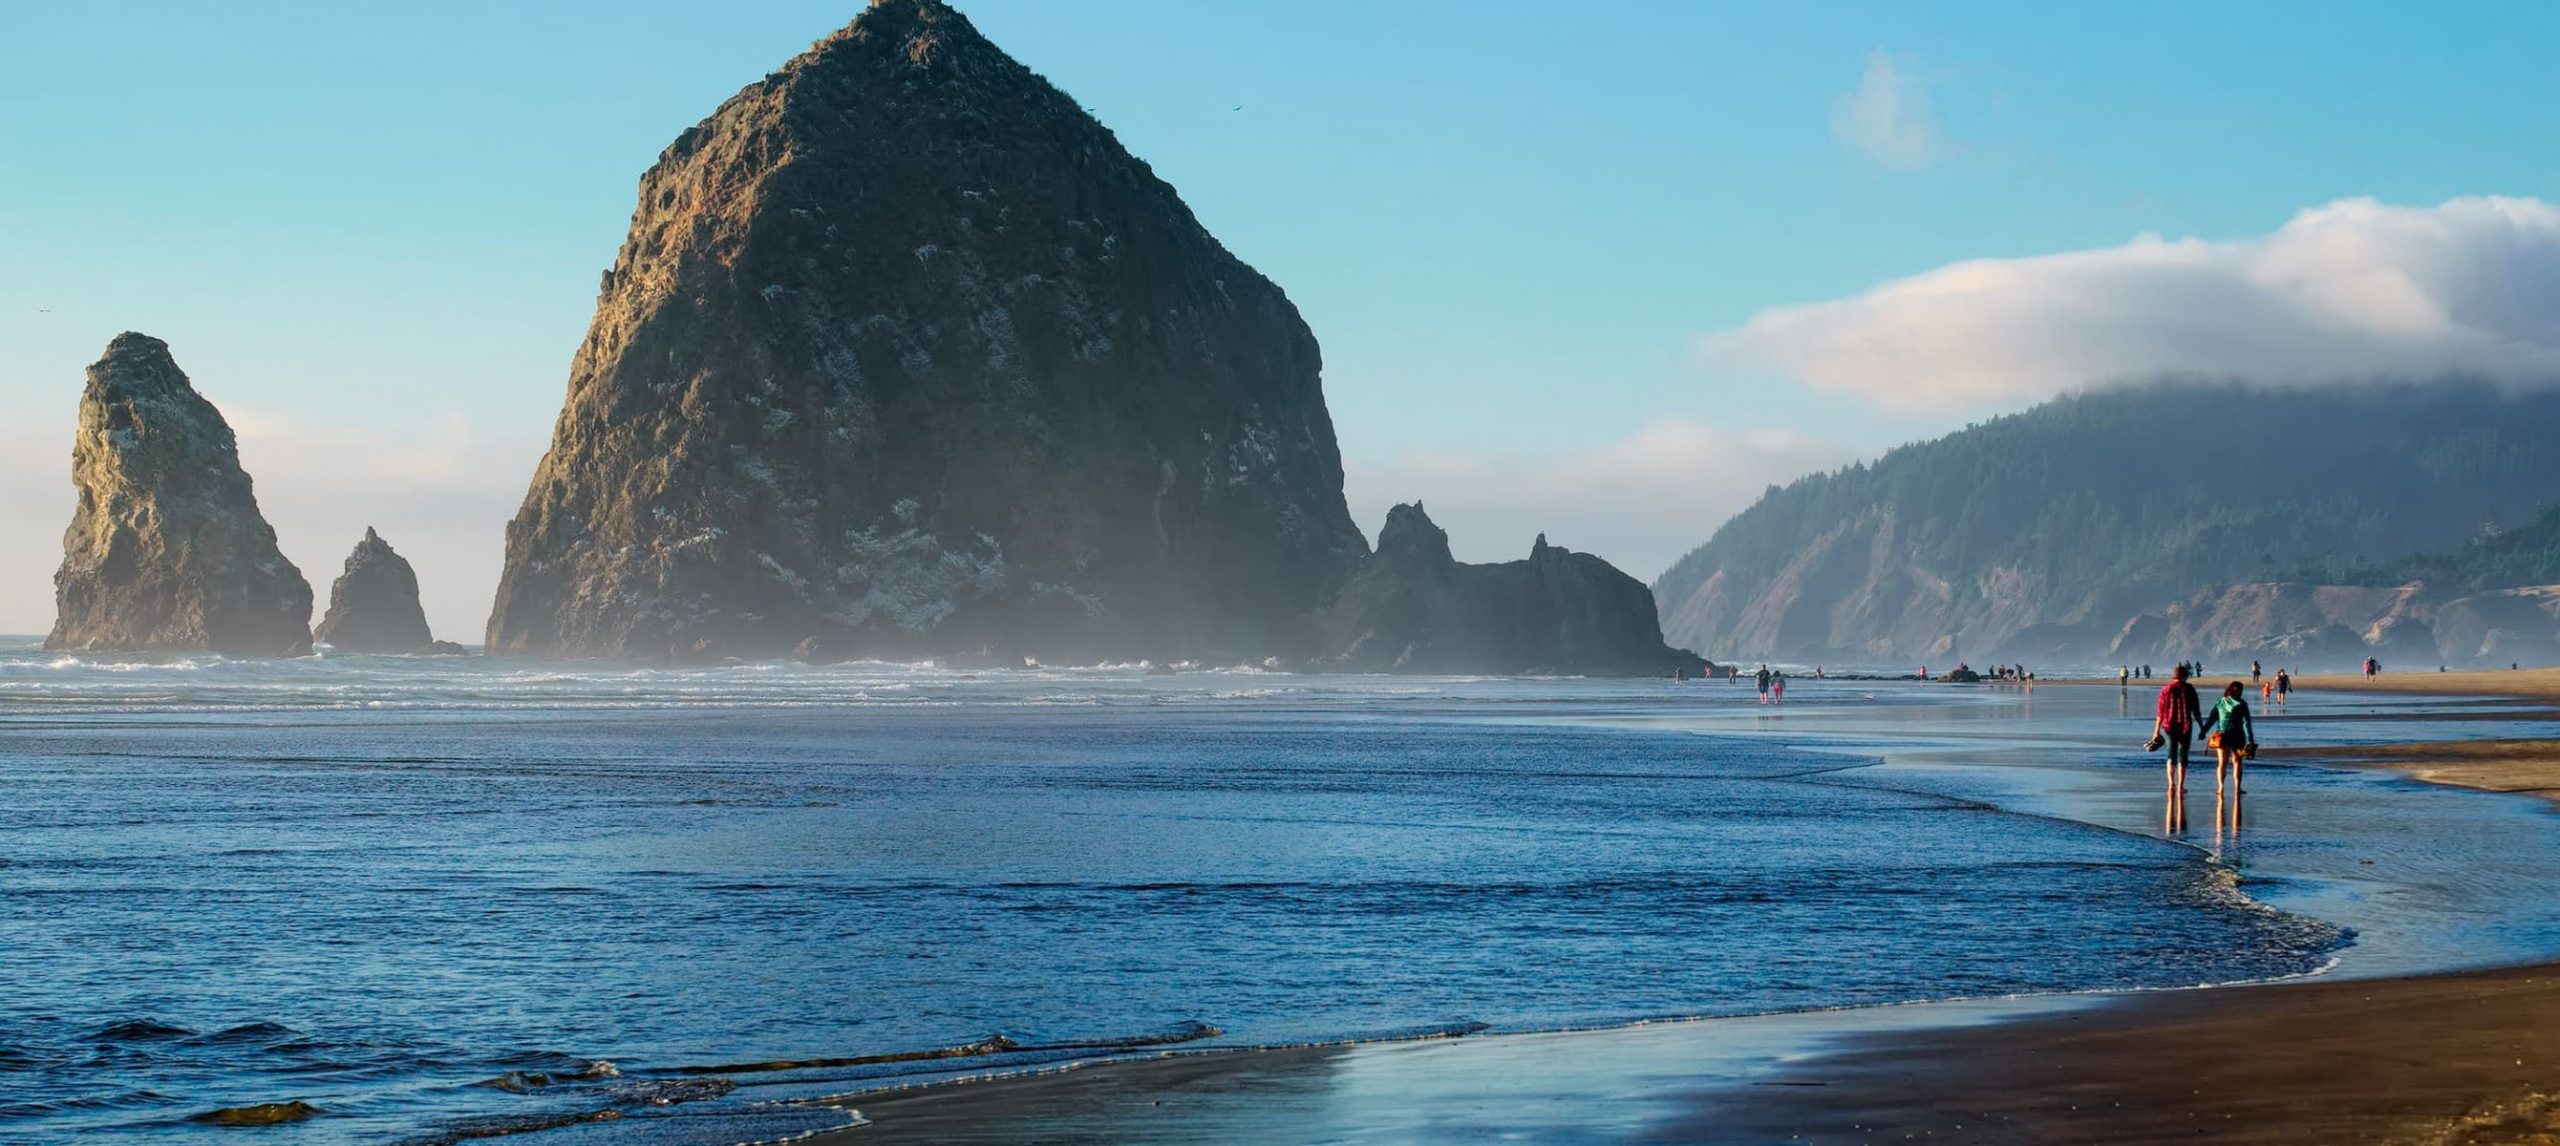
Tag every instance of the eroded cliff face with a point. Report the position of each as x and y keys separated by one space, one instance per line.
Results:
x=906 y=355
x=167 y=551
x=2306 y=626
x=1857 y=593
x=373 y=605
x=1415 y=608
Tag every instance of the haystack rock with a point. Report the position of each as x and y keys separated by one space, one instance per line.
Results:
x=906 y=356
x=373 y=605
x=1416 y=608
x=167 y=551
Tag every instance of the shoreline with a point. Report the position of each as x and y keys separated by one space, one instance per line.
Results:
x=2468 y=1060
x=2463 y=1058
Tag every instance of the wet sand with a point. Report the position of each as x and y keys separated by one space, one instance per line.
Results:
x=2530 y=766
x=2522 y=684
x=2470 y=1058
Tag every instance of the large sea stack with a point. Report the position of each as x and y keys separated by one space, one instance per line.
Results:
x=167 y=551
x=905 y=355
x=1416 y=608
x=373 y=605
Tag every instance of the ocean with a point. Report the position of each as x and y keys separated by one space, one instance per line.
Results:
x=442 y=900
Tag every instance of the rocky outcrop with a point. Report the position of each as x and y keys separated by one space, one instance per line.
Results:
x=167 y=551
x=373 y=605
x=2035 y=535
x=2515 y=626
x=1415 y=608
x=906 y=356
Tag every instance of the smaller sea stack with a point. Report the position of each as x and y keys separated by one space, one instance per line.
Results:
x=373 y=605
x=167 y=551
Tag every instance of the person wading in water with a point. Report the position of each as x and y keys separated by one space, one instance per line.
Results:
x=2232 y=734
x=2173 y=727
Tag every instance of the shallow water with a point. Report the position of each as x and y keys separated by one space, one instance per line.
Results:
x=433 y=898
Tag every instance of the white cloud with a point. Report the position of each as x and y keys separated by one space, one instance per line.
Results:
x=2355 y=289
x=1886 y=118
x=1640 y=502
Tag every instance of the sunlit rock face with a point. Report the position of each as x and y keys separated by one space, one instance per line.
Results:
x=167 y=551
x=905 y=356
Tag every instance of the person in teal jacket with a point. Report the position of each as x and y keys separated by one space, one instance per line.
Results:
x=2237 y=732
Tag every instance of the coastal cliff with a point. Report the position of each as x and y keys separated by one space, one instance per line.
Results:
x=373 y=605
x=1415 y=608
x=167 y=551
x=905 y=356
x=2322 y=627
x=2037 y=535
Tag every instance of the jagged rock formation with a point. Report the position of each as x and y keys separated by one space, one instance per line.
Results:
x=1415 y=608
x=373 y=605
x=167 y=551
x=905 y=356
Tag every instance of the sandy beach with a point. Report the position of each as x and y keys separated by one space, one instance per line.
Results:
x=2455 y=1060
x=2467 y=1058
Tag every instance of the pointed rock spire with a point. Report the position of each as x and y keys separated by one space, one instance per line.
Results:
x=166 y=550
x=373 y=605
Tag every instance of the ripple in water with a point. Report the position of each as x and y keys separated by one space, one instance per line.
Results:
x=679 y=906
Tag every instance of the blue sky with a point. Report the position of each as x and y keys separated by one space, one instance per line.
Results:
x=1526 y=234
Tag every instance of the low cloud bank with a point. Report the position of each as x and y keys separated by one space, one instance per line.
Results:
x=2355 y=289
x=1640 y=502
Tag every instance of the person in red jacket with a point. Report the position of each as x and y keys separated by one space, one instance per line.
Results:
x=2174 y=727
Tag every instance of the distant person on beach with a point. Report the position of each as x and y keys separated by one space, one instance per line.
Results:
x=2124 y=676
x=2372 y=668
x=1778 y=686
x=2173 y=727
x=1763 y=679
x=2253 y=672
x=2284 y=686
x=2232 y=735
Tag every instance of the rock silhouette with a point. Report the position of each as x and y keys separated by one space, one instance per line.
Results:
x=1415 y=608
x=373 y=605
x=167 y=550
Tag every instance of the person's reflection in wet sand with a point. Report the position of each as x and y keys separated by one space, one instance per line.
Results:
x=2173 y=817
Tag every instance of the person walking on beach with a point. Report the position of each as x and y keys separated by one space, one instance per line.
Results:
x=2173 y=728
x=2372 y=667
x=2253 y=672
x=2284 y=686
x=1763 y=678
x=2232 y=735
x=1778 y=686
